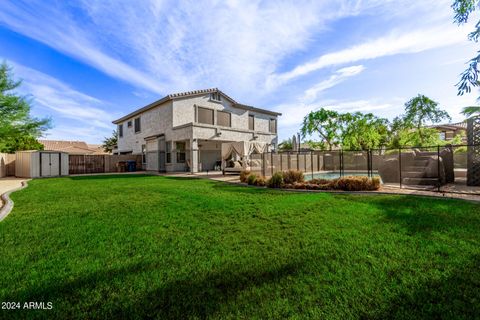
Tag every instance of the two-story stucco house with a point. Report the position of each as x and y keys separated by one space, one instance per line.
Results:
x=185 y=131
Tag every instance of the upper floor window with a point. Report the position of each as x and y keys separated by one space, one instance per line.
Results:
x=442 y=135
x=120 y=130
x=224 y=119
x=273 y=126
x=129 y=123
x=205 y=115
x=137 y=125
x=251 y=122
x=215 y=96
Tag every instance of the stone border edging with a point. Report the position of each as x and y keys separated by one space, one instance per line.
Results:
x=7 y=202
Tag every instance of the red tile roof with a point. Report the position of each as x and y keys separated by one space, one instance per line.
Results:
x=72 y=147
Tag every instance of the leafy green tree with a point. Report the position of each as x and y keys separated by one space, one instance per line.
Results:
x=326 y=123
x=364 y=131
x=18 y=130
x=419 y=112
x=316 y=145
x=462 y=10
x=110 y=143
x=471 y=111
x=414 y=137
x=286 y=145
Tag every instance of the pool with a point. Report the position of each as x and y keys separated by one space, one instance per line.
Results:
x=335 y=174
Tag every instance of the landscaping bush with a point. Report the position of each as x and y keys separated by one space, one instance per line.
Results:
x=292 y=176
x=244 y=175
x=276 y=181
x=251 y=179
x=352 y=183
x=261 y=182
x=356 y=183
x=321 y=181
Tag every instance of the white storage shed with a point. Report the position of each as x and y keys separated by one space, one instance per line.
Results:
x=37 y=164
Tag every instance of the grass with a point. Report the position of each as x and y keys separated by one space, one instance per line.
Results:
x=154 y=247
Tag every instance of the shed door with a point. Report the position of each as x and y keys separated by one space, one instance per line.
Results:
x=45 y=157
x=54 y=164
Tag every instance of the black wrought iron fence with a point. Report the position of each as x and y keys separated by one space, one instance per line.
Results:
x=438 y=168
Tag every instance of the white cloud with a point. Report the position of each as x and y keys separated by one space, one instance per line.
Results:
x=340 y=75
x=62 y=101
x=165 y=46
x=58 y=29
x=395 y=43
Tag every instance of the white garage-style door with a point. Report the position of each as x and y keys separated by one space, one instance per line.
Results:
x=49 y=164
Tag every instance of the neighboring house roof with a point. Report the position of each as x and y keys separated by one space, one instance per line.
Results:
x=451 y=126
x=72 y=147
x=191 y=94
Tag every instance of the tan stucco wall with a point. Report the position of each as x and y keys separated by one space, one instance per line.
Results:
x=184 y=112
x=176 y=120
x=153 y=121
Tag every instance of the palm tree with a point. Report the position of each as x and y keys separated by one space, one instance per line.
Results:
x=471 y=111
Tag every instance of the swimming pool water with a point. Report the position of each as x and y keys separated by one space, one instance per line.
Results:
x=335 y=175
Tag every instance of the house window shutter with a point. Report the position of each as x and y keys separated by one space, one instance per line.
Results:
x=205 y=115
x=137 y=125
x=224 y=119
x=273 y=126
x=251 y=122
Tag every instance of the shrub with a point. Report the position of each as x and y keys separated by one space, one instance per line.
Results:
x=375 y=183
x=352 y=183
x=251 y=179
x=292 y=176
x=276 y=181
x=299 y=185
x=357 y=184
x=261 y=182
x=321 y=181
x=244 y=175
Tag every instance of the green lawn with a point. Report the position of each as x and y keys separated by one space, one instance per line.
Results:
x=148 y=246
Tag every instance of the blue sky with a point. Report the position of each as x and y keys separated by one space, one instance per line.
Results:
x=86 y=63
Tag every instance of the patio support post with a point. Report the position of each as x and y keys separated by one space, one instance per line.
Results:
x=193 y=155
